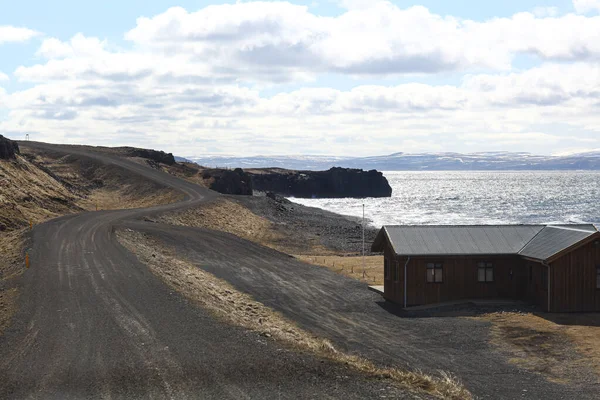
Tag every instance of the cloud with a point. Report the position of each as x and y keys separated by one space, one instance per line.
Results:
x=3 y=77
x=14 y=34
x=586 y=6
x=192 y=80
x=545 y=11
x=78 y=46
x=487 y=111
x=369 y=38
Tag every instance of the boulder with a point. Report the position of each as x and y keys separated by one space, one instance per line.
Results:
x=8 y=148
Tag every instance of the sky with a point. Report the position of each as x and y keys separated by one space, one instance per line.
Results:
x=322 y=77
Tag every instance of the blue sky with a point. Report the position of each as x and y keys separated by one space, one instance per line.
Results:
x=351 y=77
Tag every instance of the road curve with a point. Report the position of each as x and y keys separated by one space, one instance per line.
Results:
x=95 y=323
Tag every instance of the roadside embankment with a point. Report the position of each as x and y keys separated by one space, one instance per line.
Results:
x=238 y=308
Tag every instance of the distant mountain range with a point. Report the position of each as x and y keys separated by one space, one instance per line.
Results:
x=490 y=161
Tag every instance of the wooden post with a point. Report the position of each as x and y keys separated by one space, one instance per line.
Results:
x=30 y=225
x=27 y=260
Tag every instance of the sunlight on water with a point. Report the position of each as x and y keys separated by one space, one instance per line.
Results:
x=452 y=197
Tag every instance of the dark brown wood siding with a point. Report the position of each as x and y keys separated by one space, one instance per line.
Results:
x=573 y=280
x=460 y=279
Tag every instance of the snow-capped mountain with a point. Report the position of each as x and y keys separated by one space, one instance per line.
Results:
x=414 y=161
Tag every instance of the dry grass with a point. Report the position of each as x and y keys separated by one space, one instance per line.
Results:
x=350 y=266
x=28 y=193
x=111 y=199
x=227 y=216
x=562 y=353
x=11 y=266
x=240 y=309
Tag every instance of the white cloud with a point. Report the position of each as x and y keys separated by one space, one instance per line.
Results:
x=486 y=110
x=545 y=11
x=3 y=77
x=191 y=82
x=78 y=46
x=15 y=34
x=586 y=6
x=377 y=38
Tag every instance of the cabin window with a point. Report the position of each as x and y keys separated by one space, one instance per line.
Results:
x=485 y=272
x=386 y=268
x=598 y=277
x=435 y=273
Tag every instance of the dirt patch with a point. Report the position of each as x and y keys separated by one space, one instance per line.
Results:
x=227 y=216
x=563 y=354
x=351 y=266
x=238 y=308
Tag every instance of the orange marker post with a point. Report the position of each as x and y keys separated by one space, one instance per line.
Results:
x=26 y=260
x=30 y=225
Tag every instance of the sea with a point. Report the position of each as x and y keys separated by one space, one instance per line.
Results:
x=477 y=197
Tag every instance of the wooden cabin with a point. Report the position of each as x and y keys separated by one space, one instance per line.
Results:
x=554 y=266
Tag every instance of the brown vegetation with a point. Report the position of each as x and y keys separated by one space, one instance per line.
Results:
x=227 y=216
x=567 y=351
x=240 y=309
x=351 y=266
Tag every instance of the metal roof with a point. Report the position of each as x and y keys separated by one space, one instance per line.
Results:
x=535 y=241
x=553 y=239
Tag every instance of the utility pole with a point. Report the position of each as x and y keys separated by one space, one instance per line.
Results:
x=363 y=242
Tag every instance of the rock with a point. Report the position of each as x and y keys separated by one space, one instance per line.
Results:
x=154 y=155
x=8 y=149
x=334 y=183
x=235 y=182
x=278 y=198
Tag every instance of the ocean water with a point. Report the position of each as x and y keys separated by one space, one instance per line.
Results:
x=453 y=197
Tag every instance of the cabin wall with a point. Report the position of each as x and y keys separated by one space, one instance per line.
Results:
x=573 y=280
x=535 y=283
x=460 y=279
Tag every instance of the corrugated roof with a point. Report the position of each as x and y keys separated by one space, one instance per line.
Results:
x=460 y=240
x=553 y=239
x=535 y=241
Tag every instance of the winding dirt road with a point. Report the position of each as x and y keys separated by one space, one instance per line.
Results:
x=95 y=323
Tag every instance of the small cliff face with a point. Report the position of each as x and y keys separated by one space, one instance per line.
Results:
x=334 y=183
x=8 y=148
x=154 y=155
x=229 y=182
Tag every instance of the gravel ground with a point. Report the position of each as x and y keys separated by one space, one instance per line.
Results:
x=95 y=323
x=360 y=322
x=306 y=228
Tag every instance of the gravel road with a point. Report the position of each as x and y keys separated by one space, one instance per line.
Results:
x=95 y=323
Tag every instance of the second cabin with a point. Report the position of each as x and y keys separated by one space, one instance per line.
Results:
x=554 y=266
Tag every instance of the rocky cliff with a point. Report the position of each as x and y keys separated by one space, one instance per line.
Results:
x=8 y=148
x=228 y=181
x=154 y=155
x=333 y=183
